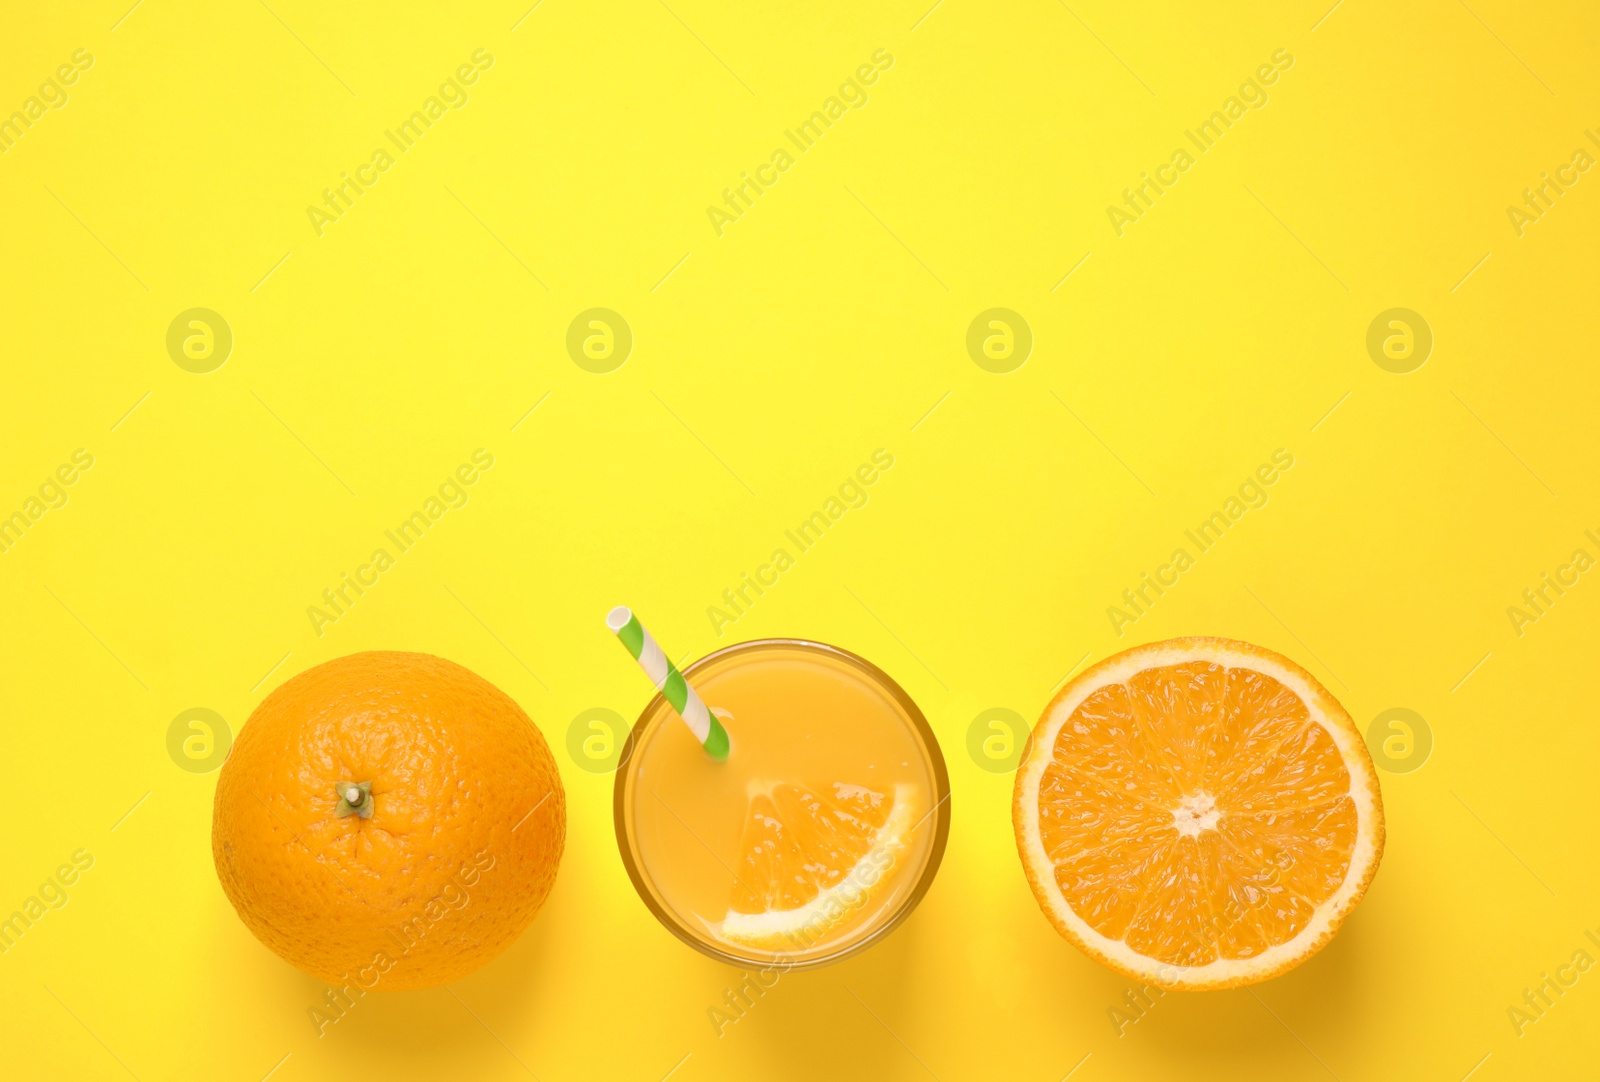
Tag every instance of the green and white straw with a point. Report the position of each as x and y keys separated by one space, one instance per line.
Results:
x=669 y=681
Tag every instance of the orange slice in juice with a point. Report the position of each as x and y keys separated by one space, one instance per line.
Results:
x=809 y=860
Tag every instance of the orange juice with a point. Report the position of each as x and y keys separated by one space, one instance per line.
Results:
x=819 y=833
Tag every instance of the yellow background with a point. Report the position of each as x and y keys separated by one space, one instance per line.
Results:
x=766 y=365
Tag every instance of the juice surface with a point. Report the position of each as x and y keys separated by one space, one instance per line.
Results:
x=801 y=715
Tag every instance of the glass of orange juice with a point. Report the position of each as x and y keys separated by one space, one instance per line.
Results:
x=819 y=833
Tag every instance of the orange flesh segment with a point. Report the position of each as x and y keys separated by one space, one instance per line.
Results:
x=798 y=843
x=1272 y=829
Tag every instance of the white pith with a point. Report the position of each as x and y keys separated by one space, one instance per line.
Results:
x=1363 y=792
x=1194 y=814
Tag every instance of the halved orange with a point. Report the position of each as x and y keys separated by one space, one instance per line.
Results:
x=809 y=859
x=1198 y=813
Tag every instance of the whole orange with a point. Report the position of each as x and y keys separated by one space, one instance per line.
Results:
x=388 y=820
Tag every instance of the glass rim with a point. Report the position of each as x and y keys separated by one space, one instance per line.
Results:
x=941 y=809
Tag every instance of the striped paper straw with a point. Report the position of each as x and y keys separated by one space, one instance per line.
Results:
x=669 y=681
